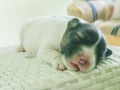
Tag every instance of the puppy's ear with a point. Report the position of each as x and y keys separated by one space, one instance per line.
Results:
x=73 y=23
x=108 y=53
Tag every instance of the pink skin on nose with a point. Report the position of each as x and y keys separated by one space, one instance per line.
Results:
x=81 y=62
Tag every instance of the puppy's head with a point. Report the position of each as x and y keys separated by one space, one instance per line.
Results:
x=83 y=46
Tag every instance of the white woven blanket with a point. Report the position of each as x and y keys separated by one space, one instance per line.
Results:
x=20 y=73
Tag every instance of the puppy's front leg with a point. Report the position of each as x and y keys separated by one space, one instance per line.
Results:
x=51 y=56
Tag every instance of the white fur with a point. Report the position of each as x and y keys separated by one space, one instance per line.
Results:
x=41 y=37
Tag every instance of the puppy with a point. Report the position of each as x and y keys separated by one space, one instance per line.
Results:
x=65 y=42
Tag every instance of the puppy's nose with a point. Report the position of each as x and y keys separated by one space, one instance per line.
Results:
x=82 y=61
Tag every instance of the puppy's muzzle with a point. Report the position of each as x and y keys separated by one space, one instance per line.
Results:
x=81 y=62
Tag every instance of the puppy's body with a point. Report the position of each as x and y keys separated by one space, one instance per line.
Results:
x=42 y=30
x=48 y=38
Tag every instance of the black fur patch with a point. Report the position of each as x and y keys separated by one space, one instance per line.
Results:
x=100 y=50
x=77 y=36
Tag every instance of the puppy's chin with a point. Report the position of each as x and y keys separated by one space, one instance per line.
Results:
x=72 y=66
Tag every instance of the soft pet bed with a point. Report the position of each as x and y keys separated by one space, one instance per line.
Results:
x=19 y=72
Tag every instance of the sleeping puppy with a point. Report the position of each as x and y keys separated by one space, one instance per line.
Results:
x=65 y=42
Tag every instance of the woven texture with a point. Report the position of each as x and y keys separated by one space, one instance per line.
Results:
x=19 y=72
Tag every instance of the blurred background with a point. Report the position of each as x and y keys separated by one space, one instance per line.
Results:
x=14 y=12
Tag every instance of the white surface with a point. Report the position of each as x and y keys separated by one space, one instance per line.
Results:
x=20 y=73
x=14 y=12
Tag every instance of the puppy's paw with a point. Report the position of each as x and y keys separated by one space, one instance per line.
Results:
x=58 y=64
x=21 y=49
